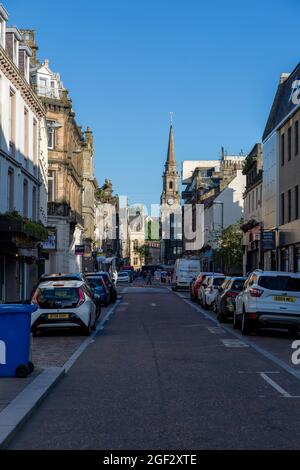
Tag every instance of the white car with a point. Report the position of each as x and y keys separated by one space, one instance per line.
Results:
x=210 y=289
x=64 y=304
x=269 y=299
x=123 y=276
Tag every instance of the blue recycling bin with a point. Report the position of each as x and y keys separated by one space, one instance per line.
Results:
x=15 y=340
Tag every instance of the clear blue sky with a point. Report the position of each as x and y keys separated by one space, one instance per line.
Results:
x=127 y=63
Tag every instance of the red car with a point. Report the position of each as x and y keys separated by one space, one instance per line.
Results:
x=196 y=284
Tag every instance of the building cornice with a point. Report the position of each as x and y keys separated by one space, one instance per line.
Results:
x=13 y=74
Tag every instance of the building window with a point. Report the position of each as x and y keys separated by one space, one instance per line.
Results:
x=289 y=205
x=171 y=185
x=135 y=245
x=25 y=198
x=284 y=260
x=256 y=195
x=282 y=209
x=51 y=134
x=296 y=202
x=289 y=143
x=26 y=133
x=12 y=118
x=297 y=259
x=10 y=190
x=296 y=137
x=135 y=261
x=34 y=205
x=51 y=185
x=35 y=142
x=282 y=149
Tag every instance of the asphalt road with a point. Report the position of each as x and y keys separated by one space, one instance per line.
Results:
x=163 y=376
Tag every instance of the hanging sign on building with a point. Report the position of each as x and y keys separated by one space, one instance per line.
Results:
x=268 y=240
x=79 y=250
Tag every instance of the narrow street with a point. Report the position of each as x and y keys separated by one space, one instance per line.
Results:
x=161 y=375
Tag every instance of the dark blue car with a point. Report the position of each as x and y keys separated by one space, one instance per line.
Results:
x=99 y=289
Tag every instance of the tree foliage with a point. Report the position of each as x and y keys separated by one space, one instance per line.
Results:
x=229 y=249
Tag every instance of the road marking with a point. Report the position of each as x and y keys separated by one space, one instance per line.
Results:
x=283 y=365
x=153 y=305
x=275 y=385
x=259 y=372
x=234 y=343
x=124 y=303
x=215 y=330
x=191 y=326
x=70 y=362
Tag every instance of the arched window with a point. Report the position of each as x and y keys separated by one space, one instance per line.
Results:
x=135 y=244
x=171 y=185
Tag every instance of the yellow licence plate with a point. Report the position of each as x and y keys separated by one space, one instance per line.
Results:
x=282 y=298
x=58 y=316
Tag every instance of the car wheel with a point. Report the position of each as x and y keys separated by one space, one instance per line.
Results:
x=235 y=323
x=34 y=332
x=221 y=317
x=87 y=330
x=293 y=331
x=246 y=325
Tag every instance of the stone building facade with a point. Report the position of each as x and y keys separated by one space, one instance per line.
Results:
x=71 y=182
x=281 y=164
x=252 y=224
x=23 y=169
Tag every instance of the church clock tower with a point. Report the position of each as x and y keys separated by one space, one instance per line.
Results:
x=170 y=212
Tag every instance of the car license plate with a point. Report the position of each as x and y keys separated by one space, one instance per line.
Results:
x=58 y=316
x=283 y=298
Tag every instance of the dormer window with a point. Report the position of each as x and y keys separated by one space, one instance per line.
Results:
x=24 y=61
x=13 y=38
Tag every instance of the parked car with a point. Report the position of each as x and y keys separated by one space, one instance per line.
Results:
x=99 y=288
x=64 y=304
x=225 y=300
x=204 y=285
x=63 y=277
x=109 y=284
x=130 y=274
x=184 y=271
x=196 y=284
x=123 y=276
x=269 y=299
x=209 y=290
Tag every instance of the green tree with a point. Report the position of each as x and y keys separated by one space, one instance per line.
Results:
x=229 y=249
x=144 y=252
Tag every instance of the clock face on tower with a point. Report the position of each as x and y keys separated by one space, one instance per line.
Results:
x=170 y=201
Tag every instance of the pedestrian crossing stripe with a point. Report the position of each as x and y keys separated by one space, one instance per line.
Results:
x=234 y=343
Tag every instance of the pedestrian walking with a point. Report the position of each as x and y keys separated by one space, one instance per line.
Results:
x=115 y=276
x=149 y=279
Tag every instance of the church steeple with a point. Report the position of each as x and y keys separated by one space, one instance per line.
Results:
x=170 y=194
x=171 y=150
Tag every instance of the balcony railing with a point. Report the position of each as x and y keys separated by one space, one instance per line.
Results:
x=62 y=209
x=48 y=92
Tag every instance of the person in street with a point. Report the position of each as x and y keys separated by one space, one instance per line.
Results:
x=115 y=276
x=149 y=279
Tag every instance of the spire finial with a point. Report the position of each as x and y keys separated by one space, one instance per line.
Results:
x=171 y=118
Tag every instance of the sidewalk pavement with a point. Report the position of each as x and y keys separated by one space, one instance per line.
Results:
x=53 y=353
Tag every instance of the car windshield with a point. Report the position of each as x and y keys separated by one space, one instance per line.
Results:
x=238 y=284
x=61 y=297
x=123 y=274
x=218 y=281
x=95 y=282
x=282 y=283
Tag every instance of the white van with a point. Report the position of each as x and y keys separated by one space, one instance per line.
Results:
x=184 y=272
